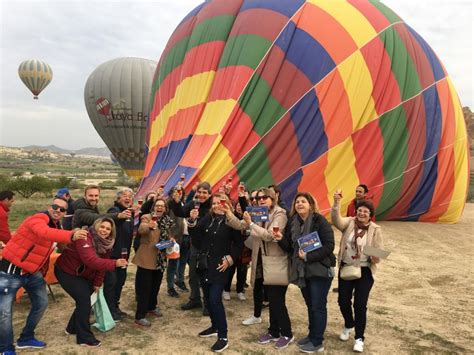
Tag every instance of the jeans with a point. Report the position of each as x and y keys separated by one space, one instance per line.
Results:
x=113 y=284
x=171 y=270
x=361 y=289
x=241 y=277
x=35 y=286
x=183 y=259
x=315 y=295
x=213 y=299
x=147 y=286
x=80 y=290
x=280 y=324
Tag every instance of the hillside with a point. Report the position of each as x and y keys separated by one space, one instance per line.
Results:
x=100 y=152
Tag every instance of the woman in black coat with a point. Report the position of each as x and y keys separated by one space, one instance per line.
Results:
x=219 y=246
x=312 y=271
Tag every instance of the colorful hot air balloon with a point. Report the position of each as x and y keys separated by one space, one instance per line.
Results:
x=312 y=95
x=117 y=97
x=36 y=75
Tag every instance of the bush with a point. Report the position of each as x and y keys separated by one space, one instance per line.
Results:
x=28 y=187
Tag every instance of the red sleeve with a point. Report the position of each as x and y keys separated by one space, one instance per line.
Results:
x=89 y=257
x=351 y=211
x=39 y=226
x=5 y=234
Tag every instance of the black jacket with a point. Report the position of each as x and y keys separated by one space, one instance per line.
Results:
x=124 y=232
x=211 y=235
x=317 y=261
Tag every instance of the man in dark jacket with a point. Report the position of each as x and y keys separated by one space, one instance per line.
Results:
x=24 y=257
x=114 y=280
x=203 y=194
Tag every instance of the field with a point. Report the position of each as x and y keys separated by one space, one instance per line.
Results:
x=421 y=303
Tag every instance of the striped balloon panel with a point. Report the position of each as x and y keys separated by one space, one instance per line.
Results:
x=313 y=95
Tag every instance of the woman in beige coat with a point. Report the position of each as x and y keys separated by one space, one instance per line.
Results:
x=357 y=232
x=264 y=243
x=151 y=262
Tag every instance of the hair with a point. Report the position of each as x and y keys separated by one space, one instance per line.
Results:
x=105 y=219
x=6 y=194
x=91 y=187
x=60 y=198
x=367 y=204
x=164 y=201
x=366 y=189
x=221 y=195
x=275 y=188
x=204 y=185
x=267 y=192
x=123 y=191
x=148 y=195
x=313 y=204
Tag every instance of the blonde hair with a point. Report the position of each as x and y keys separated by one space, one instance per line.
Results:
x=100 y=220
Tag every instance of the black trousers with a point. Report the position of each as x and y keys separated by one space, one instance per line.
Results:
x=113 y=285
x=147 y=286
x=361 y=290
x=194 y=278
x=258 y=297
x=280 y=324
x=241 y=276
x=80 y=290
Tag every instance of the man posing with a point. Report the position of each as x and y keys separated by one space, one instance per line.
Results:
x=6 y=201
x=23 y=257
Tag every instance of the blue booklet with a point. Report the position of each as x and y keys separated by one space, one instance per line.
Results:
x=258 y=214
x=164 y=244
x=309 y=242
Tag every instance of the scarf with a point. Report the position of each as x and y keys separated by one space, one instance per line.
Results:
x=359 y=231
x=101 y=245
x=299 y=228
x=164 y=223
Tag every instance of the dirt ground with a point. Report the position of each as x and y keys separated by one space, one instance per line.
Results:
x=421 y=303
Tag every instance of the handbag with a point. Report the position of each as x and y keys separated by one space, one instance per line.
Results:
x=275 y=269
x=103 y=319
x=201 y=262
x=350 y=272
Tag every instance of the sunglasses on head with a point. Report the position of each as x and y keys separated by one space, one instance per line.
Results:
x=260 y=198
x=57 y=207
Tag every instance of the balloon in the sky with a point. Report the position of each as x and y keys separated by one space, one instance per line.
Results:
x=117 y=98
x=36 y=75
x=314 y=96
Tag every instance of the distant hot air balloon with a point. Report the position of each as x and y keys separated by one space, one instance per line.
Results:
x=312 y=95
x=117 y=97
x=36 y=75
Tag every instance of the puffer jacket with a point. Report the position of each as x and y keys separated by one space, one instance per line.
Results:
x=5 y=234
x=85 y=214
x=261 y=236
x=33 y=242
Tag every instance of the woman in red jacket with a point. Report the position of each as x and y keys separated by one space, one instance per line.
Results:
x=80 y=270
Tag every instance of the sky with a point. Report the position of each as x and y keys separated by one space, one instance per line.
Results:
x=75 y=36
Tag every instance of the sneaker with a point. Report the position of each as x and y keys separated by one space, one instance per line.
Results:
x=143 y=322
x=283 y=342
x=303 y=341
x=252 y=320
x=345 y=334
x=226 y=295
x=220 y=345
x=241 y=296
x=358 y=346
x=191 y=305
x=121 y=313
x=209 y=332
x=181 y=286
x=266 y=338
x=310 y=348
x=30 y=344
x=155 y=313
x=92 y=344
x=172 y=293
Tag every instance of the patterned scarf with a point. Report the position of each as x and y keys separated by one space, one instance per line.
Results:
x=359 y=232
x=164 y=223
x=101 y=245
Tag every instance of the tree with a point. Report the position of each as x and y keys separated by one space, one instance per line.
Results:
x=27 y=187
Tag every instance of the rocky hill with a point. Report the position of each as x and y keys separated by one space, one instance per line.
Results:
x=100 y=152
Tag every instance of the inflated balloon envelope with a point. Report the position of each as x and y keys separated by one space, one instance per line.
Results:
x=314 y=96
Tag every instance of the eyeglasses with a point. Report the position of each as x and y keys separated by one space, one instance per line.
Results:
x=252 y=198
x=162 y=206
x=56 y=207
x=262 y=198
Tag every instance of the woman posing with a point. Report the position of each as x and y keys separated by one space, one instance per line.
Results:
x=80 y=270
x=264 y=244
x=313 y=271
x=357 y=232
x=150 y=261
x=219 y=246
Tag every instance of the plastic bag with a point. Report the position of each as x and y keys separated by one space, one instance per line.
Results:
x=103 y=319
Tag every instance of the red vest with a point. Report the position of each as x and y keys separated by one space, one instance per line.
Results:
x=32 y=243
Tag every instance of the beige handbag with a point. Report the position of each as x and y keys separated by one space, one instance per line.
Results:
x=275 y=270
x=350 y=272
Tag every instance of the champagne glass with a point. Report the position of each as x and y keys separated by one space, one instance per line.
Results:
x=124 y=255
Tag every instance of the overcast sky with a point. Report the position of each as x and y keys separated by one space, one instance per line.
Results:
x=74 y=37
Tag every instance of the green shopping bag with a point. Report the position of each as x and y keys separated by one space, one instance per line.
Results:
x=103 y=319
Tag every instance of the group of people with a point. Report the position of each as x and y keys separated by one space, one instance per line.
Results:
x=217 y=238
